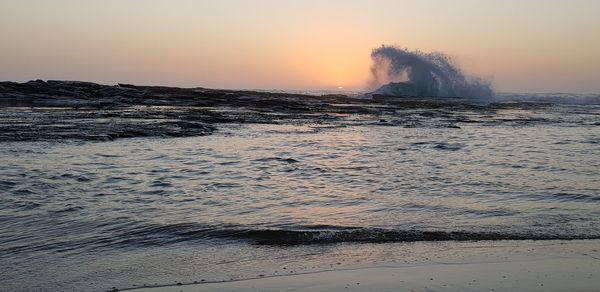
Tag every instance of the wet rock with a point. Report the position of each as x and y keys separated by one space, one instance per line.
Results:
x=74 y=110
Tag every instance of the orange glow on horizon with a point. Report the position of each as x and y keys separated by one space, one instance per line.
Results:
x=299 y=44
x=332 y=55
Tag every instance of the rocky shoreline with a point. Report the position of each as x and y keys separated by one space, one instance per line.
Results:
x=73 y=110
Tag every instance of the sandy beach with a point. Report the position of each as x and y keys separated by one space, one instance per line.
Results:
x=475 y=266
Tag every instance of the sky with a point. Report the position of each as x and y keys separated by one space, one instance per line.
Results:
x=521 y=46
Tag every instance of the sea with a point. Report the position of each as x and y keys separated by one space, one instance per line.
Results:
x=255 y=200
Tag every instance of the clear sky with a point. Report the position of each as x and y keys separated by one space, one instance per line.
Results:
x=522 y=46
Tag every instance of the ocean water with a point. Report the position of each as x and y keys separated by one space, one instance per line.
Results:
x=95 y=215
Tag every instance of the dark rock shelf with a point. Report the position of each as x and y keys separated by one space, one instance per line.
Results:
x=73 y=110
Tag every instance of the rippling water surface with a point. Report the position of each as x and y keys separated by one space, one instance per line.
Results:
x=142 y=211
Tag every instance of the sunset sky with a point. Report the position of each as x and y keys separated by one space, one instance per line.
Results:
x=522 y=46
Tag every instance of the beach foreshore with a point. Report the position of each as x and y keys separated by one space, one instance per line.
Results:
x=475 y=266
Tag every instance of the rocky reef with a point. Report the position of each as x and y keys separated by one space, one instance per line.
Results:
x=73 y=110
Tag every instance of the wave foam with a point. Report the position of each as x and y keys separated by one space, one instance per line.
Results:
x=423 y=75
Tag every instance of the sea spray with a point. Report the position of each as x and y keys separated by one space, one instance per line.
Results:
x=401 y=72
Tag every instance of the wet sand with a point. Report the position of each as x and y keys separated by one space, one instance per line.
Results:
x=510 y=266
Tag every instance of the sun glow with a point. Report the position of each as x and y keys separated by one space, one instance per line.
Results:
x=326 y=55
x=327 y=67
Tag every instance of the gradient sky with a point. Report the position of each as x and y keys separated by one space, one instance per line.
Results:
x=522 y=46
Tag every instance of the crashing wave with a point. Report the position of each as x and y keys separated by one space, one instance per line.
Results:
x=423 y=75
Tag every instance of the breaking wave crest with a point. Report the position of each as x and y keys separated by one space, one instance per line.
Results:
x=143 y=234
x=401 y=72
x=370 y=235
x=555 y=98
